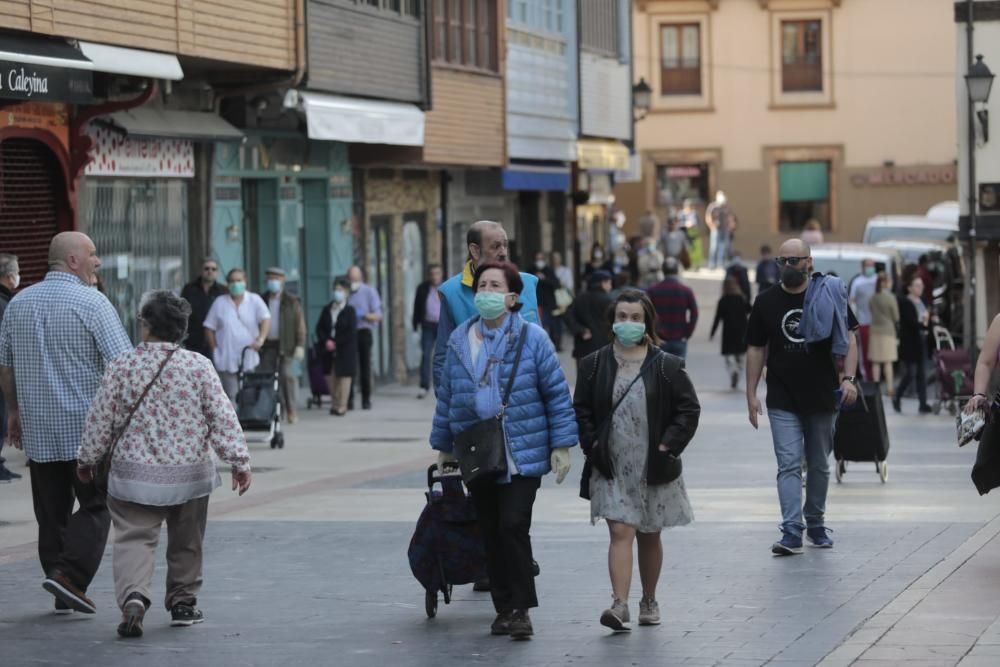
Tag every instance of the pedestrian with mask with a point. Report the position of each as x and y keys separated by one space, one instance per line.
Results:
x=337 y=341
x=588 y=316
x=861 y=293
x=367 y=305
x=676 y=310
x=235 y=322
x=479 y=382
x=731 y=312
x=56 y=338
x=806 y=384
x=286 y=340
x=201 y=293
x=636 y=412
x=486 y=241
x=10 y=279
x=426 y=315
x=914 y=322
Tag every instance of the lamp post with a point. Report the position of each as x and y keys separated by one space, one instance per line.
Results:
x=978 y=83
x=641 y=97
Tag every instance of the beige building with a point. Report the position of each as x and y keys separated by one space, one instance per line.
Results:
x=834 y=110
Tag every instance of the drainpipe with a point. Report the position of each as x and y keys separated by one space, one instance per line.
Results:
x=970 y=335
x=286 y=83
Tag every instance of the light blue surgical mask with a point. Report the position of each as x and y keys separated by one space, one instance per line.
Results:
x=238 y=288
x=869 y=271
x=273 y=285
x=338 y=296
x=491 y=305
x=629 y=334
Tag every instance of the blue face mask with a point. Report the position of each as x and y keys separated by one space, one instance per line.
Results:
x=491 y=305
x=629 y=334
x=337 y=296
x=273 y=285
x=238 y=288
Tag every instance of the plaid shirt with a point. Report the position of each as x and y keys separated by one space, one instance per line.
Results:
x=676 y=309
x=58 y=335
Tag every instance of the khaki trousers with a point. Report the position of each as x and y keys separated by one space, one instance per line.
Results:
x=137 y=532
x=340 y=389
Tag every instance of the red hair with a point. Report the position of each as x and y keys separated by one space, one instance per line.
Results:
x=510 y=273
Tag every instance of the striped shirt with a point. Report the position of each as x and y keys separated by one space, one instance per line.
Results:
x=676 y=309
x=58 y=335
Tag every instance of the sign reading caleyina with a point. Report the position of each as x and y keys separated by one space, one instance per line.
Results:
x=39 y=83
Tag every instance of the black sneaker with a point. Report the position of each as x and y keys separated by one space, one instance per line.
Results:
x=501 y=624
x=7 y=475
x=183 y=615
x=520 y=625
x=367 y=405
x=132 y=615
x=61 y=608
x=926 y=409
x=482 y=585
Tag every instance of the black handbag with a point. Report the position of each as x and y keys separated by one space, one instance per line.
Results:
x=481 y=449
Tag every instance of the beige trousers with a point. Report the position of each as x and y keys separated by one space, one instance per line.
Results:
x=340 y=389
x=137 y=532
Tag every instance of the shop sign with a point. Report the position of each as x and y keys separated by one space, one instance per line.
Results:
x=45 y=84
x=52 y=118
x=115 y=154
x=894 y=176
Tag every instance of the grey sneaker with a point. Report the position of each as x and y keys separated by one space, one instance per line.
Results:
x=649 y=612
x=617 y=617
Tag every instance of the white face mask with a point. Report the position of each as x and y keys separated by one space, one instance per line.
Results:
x=17 y=280
x=356 y=285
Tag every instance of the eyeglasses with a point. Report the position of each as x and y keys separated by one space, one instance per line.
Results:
x=794 y=261
x=210 y=268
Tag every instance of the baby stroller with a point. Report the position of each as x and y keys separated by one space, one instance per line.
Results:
x=954 y=373
x=446 y=548
x=317 y=379
x=257 y=403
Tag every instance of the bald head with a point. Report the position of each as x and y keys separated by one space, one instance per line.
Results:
x=74 y=252
x=794 y=248
x=487 y=242
x=795 y=259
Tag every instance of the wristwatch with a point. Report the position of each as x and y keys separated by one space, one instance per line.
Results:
x=848 y=378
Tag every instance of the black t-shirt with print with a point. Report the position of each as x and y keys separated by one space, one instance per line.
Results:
x=801 y=378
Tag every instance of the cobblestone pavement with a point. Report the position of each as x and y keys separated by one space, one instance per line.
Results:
x=310 y=566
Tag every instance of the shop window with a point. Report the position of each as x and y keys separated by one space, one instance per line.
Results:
x=801 y=56
x=803 y=194
x=677 y=183
x=465 y=33
x=680 y=59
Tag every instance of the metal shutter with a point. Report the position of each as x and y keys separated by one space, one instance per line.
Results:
x=29 y=190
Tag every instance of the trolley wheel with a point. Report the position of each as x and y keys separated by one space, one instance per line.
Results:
x=840 y=470
x=278 y=440
x=431 y=604
x=447 y=594
x=883 y=470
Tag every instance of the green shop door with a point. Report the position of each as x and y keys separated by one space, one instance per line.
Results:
x=316 y=270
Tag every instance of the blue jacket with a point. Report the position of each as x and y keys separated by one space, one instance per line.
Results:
x=539 y=416
x=458 y=305
x=824 y=314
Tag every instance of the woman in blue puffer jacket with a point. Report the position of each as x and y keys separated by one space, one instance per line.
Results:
x=539 y=423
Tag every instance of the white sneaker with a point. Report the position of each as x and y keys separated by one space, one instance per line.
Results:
x=422 y=393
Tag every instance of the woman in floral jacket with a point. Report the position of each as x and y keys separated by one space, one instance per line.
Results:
x=161 y=467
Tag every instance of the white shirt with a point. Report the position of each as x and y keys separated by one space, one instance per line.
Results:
x=236 y=328
x=862 y=291
x=565 y=276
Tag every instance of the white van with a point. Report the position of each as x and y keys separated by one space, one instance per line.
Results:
x=908 y=228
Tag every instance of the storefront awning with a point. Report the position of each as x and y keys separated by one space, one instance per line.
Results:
x=544 y=179
x=132 y=62
x=354 y=120
x=150 y=122
x=600 y=155
x=39 y=69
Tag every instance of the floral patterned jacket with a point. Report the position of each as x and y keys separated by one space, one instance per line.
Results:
x=165 y=455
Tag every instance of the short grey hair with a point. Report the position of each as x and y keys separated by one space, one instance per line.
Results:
x=8 y=265
x=165 y=315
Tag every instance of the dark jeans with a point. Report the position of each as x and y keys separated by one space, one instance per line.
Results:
x=504 y=515
x=365 y=342
x=676 y=347
x=428 y=337
x=913 y=370
x=72 y=543
x=557 y=332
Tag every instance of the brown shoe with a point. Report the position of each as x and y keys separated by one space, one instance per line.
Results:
x=60 y=586
x=293 y=417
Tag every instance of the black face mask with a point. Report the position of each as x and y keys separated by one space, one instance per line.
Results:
x=793 y=277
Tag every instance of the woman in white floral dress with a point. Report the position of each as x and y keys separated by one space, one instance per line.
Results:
x=636 y=410
x=162 y=467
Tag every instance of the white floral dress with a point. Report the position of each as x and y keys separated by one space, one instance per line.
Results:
x=627 y=498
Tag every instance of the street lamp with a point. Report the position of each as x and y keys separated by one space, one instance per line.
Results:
x=979 y=81
x=641 y=96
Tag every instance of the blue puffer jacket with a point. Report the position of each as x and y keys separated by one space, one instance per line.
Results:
x=539 y=416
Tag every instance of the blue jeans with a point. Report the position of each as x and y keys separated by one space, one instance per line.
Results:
x=796 y=436
x=428 y=337
x=718 y=250
x=676 y=347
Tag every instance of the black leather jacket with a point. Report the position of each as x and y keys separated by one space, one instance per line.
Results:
x=671 y=405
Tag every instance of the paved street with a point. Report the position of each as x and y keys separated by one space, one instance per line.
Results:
x=310 y=566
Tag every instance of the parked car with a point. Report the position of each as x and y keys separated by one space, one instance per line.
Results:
x=909 y=228
x=844 y=260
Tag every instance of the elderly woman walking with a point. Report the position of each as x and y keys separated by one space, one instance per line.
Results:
x=159 y=415
x=637 y=410
x=498 y=364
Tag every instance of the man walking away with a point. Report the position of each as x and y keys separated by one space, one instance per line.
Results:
x=426 y=315
x=546 y=291
x=486 y=241
x=201 y=293
x=286 y=339
x=768 y=273
x=587 y=318
x=10 y=278
x=368 y=305
x=56 y=339
x=862 y=291
x=806 y=385
x=676 y=310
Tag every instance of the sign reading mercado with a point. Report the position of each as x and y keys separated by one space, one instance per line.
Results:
x=39 y=83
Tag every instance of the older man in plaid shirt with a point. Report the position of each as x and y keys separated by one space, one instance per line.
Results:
x=55 y=340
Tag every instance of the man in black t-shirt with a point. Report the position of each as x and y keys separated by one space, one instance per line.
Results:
x=805 y=383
